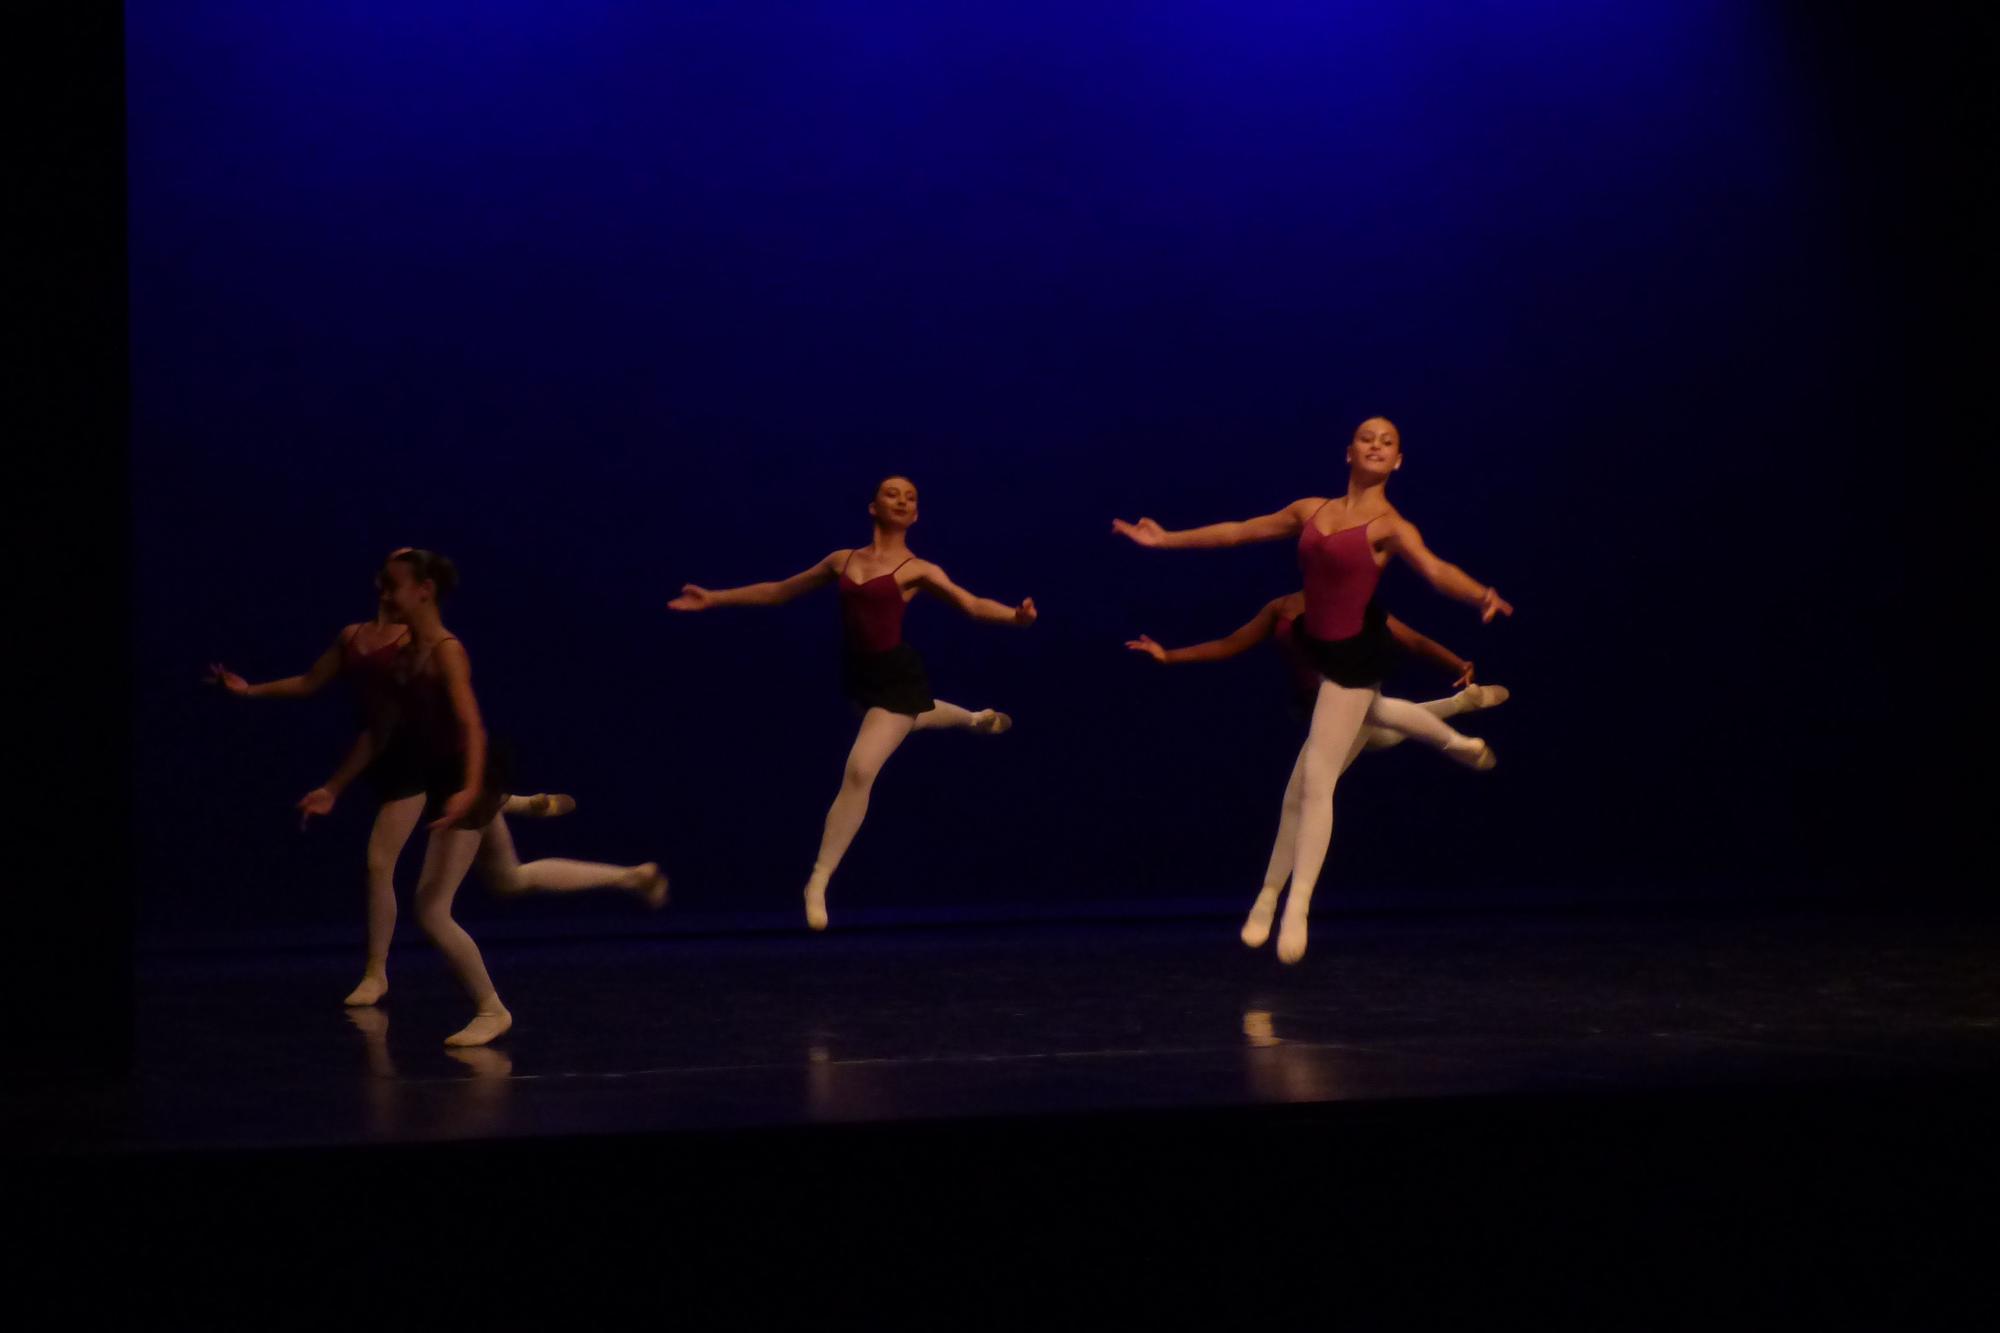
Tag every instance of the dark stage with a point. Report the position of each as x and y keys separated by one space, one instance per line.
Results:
x=613 y=302
x=1784 y=1107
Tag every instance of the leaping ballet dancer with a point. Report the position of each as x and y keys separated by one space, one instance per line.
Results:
x=1343 y=544
x=434 y=713
x=366 y=654
x=1274 y=624
x=881 y=674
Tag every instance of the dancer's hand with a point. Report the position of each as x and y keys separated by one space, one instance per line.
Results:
x=456 y=809
x=227 y=679
x=1025 y=613
x=1493 y=604
x=318 y=801
x=1144 y=644
x=1145 y=532
x=1464 y=680
x=692 y=598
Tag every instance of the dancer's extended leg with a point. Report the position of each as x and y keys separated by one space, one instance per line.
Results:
x=542 y=805
x=1414 y=720
x=1470 y=699
x=394 y=822
x=504 y=873
x=946 y=717
x=446 y=860
x=1338 y=715
x=881 y=732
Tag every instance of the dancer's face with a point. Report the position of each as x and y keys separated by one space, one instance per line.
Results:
x=895 y=503
x=401 y=593
x=1376 y=449
x=382 y=603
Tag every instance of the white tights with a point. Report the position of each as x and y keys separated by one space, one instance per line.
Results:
x=1345 y=721
x=491 y=849
x=881 y=732
x=450 y=853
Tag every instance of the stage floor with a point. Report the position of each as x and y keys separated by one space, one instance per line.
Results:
x=690 y=1033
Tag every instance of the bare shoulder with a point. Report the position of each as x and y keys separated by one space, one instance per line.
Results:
x=1396 y=526
x=822 y=571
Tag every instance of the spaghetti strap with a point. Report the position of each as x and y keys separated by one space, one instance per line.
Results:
x=906 y=560
x=845 y=563
x=1315 y=513
x=424 y=659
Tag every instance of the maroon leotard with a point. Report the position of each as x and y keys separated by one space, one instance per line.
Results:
x=437 y=741
x=872 y=612
x=373 y=672
x=1341 y=574
x=427 y=714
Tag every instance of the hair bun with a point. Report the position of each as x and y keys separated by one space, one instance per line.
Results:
x=430 y=566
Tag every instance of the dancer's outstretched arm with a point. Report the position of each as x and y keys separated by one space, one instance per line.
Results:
x=455 y=666
x=1403 y=539
x=1264 y=528
x=291 y=687
x=1241 y=641
x=939 y=585
x=1418 y=645
x=696 y=598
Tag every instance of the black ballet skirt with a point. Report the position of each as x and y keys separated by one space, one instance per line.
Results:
x=893 y=679
x=397 y=770
x=1358 y=662
x=443 y=775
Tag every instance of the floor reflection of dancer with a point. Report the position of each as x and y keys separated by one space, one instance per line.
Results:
x=881 y=675
x=434 y=712
x=476 y=1110
x=1274 y=624
x=366 y=655
x=1343 y=544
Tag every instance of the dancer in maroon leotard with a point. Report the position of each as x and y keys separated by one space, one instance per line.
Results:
x=881 y=674
x=1274 y=624
x=1343 y=544
x=435 y=718
x=368 y=655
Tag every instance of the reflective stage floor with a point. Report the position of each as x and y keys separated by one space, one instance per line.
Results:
x=691 y=1033
x=1699 y=1090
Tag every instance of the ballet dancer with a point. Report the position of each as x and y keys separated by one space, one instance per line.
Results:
x=1273 y=624
x=881 y=674
x=367 y=655
x=434 y=713
x=1344 y=542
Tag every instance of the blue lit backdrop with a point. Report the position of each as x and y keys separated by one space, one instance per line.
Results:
x=603 y=298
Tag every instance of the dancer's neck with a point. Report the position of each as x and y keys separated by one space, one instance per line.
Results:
x=1367 y=494
x=426 y=626
x=889 y=544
